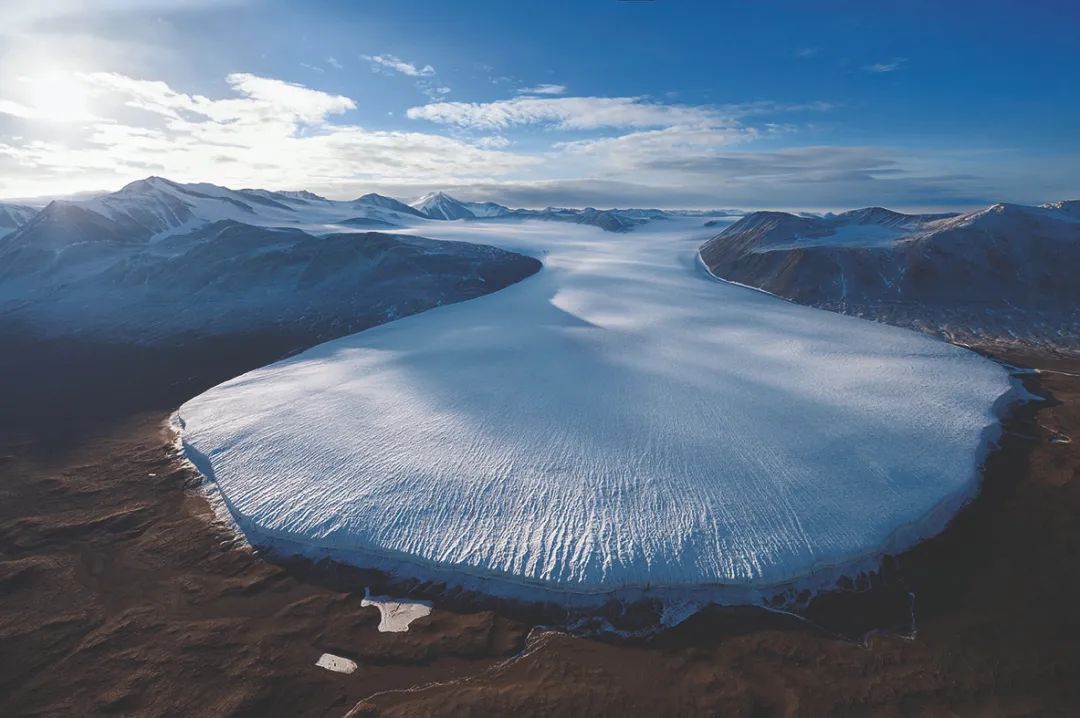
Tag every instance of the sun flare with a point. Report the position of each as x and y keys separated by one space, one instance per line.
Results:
x=59 y=96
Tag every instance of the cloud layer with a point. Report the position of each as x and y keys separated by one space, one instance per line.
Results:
x=97 y=130
x=268 y=132
x=568 y=113
x=891 y=66
x=543 y=90
x=396 y=64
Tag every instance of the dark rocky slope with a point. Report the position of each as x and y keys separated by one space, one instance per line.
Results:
x=73 y=272
x=1007 y=272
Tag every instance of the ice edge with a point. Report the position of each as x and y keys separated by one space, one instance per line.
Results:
x=791 y=590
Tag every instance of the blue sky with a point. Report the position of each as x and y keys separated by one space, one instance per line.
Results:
x=769 y=104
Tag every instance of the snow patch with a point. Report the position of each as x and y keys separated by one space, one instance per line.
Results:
x=337 y=664
x=397 y=613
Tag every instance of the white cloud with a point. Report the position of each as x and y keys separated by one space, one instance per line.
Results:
x=543 y=90
x=396 y=64
x=591 y=113
x=886 y=66
x=492 y=142
x=262 y=99
x=433 y=91
x=663 y=142
x=652 y=155
x=269 y=132
x=301 y=102
x=333 y=62
x=99 y=130
x=570 y=113
x=52 y=97
x=19 y=15
x=266 y=133
x=426 y=81
x=16 y=109
x=832 y=178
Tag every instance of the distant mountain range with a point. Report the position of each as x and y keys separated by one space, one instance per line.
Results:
x=158 y=259
x=13 y=216
x=439 y=205
x=1007 y=272
x=156 y=205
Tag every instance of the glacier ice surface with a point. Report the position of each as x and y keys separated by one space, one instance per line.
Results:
x=620 y=419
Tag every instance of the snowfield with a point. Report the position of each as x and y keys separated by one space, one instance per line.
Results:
x=620 y=419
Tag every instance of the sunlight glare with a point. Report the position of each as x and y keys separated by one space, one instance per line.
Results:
x=58 y=96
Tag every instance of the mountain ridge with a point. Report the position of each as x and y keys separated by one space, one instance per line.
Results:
x=154 y=206
x=1001 y=272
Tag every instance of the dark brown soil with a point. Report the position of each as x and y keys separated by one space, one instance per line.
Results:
x=119 y=595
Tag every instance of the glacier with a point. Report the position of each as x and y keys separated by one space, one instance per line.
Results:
x=619 y=420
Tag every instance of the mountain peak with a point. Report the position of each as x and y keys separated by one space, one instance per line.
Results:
x=870 y=215
x=146 y=184
x=439 y=205
x=1068 y=206
x=373 y=199
x=302 y=194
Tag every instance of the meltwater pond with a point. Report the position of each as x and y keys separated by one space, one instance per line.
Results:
x=620 y=419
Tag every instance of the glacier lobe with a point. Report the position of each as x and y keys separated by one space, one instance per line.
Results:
x=620 y=419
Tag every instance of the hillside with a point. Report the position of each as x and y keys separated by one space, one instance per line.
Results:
x=1006 y=272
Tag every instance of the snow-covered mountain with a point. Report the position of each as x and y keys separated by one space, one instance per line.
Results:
x=439 y=205
x=158 y=257
x=124 y=263
x=156 y=206
x=1006 y=271
x=486 y=209
x=296 y=195
x=611 y=220
x=13 y=216
x=377 y=200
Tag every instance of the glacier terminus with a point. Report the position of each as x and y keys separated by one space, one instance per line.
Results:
x=621 y=419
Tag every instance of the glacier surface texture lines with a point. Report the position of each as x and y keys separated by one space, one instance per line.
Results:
x=620 y=419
